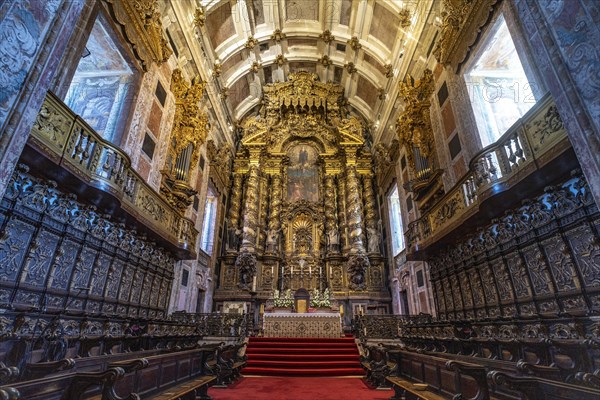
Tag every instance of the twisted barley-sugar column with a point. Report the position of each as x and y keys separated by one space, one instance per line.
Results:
x=329 y=204
x=341 y=208
x=262 y=221
x=275 y=202
x=251 y=209
x=370 y=203
x=354 y=211
x=361 y=198
x=236 y=197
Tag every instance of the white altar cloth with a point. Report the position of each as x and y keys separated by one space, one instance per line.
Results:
x=318 y=325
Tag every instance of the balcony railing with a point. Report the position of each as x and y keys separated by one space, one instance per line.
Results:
x=69 y=141
x=517 y=154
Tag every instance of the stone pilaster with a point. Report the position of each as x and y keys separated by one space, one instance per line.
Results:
x=564 y=38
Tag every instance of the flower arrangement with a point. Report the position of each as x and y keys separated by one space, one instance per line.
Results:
x=320 y=300
x=283 y=300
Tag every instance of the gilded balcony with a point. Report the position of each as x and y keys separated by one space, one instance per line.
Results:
x=104 y=176
x=523 y=160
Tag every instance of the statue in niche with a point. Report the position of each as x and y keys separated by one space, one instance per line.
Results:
x=272 y=239
x=246 y=264
x=373 y=236
x=357 y=269
x=302 y=264
x=234 y=238
x=333 y=239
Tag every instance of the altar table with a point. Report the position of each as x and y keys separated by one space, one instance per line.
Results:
x=318 y=325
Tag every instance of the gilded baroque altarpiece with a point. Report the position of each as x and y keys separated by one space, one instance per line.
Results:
x=303 y=211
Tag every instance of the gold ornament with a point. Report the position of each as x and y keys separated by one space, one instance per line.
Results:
x=354 y=42
x=280 y=60
x=251 y=43
x=277 y=35
x=199 y=17
x=414 y=124
x=405 y=18
x=326 y=36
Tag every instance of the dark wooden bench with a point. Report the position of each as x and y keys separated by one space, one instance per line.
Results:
x=226 y=363
x=377 y=365
x=542 y=389
x=405 y=389
x=41 y=369
x=75 y=386
x=196 y=389
x=174 y=375
x=451 y=377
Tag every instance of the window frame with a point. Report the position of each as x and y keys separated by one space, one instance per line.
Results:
x=396 y=224
x=70 y=62
x=538 y=90
x=209 y=221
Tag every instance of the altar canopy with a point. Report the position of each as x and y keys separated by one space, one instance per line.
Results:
x=313 y=325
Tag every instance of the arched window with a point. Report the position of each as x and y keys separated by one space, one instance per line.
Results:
x=396 y=221
x=209 y=222
x=102 y=84
x=499 y=90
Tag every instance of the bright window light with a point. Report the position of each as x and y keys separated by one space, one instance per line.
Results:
x=396 y=221
x=499 y=90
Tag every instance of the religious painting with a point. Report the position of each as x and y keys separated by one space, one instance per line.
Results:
x=303 y=174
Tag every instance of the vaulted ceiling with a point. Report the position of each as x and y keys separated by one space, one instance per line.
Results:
x=367 y=46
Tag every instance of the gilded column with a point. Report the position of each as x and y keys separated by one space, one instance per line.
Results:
x=233 y=224
x=236 y=197
x=341 y=208
x=262 y=217
x=354 y=211
x=249 y=230
x=331 y=229
x=275 y=202
x=371 y=215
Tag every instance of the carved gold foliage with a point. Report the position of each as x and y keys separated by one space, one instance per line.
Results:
x=325 y=61
x=277 y=35
x=280 y=60
x=350 y=67
x=217 y=68
x=462 y=22
x=405 y=18
x=250 y=43
x=199 y=17
x=326 y=36
x=354 y=42
x=142 y=24
x=255 y=67
x=389 y=70
x=414 y=124
x=190 y=124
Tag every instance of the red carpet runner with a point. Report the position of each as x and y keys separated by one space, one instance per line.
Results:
x=302 y=357
x=287 y=388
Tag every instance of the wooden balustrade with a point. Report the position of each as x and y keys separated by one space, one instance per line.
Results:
x=69 y=141
x=522 y=150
